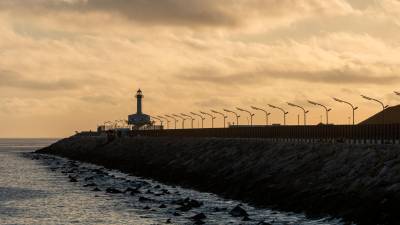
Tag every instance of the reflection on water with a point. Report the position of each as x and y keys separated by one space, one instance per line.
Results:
x=41 y=192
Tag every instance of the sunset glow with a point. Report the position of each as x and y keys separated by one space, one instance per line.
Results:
x=70 y=65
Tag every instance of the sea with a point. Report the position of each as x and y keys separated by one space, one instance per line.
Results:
x=40 y=189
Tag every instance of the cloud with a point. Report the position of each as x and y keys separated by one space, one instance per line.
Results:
x=15 y=80
x=337 y=76
x=345 y=75
x=100 y=99
x=84 y=59
x=213 y=102
x=10 y=79
x=188 y=13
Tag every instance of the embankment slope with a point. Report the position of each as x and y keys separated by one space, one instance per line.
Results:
x=391 y=115
x=360 y=183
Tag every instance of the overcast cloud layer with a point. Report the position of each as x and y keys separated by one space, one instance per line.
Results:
x=69 y=65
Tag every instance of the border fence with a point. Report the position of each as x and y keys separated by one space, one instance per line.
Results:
x=363 y=134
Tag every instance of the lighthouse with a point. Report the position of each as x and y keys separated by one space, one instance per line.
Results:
x=139 y=96
x=139 y=119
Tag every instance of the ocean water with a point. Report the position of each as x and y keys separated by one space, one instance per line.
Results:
x=36 y=189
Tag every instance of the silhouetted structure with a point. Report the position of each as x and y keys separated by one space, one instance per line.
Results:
x=390 y=115
x=139 y=119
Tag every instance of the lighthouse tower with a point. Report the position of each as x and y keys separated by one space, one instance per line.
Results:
x=139 y=97
x=139 y=119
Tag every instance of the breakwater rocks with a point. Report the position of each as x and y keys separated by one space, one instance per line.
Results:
x=360 y=183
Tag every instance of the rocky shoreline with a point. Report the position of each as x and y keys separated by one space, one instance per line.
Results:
x=360 y=183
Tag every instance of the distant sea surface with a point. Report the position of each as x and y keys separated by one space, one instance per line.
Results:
x=38 y=190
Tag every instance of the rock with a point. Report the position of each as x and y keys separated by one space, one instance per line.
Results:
x=113 y=191
x=89 y=178
x=96 y=189
x=157 y=186
x=194 y=203
x=71 y=171
x=162 y=206
x=199 y=216
x=184 y=208
x=130 y=190
x=238 y=212
x=72 y=179
x=176 y=214
x=246 y=218
x=144 y=199
x=165 y=191
x=188 y=202
x=133 y=191
x=90 y=185
x=263 y=223
x=146 y=207
x=168 y=221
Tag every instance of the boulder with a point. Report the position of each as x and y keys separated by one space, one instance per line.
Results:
x=96 y=189
x=238 y=212
x=246 y=218
x=199 y=216
x=72 y=179
x=113 y=191
x=144 y=199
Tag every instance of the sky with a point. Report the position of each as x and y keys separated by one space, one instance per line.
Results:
x=70 y=65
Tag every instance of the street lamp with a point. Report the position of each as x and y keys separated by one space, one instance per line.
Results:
x=182 y=118
x=265 y=111
x=237 y=115
x=326 y=109
x=191 y=118
x=250 y=113
x=173 y=118
x=220 y=113
x=380 y=102
x=201 y=117
x=212 y=118
x=353 y=108
x=283 y=111
x=165 y=120
x=304 y=111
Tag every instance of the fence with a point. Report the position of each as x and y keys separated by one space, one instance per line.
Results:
x=385 y=133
